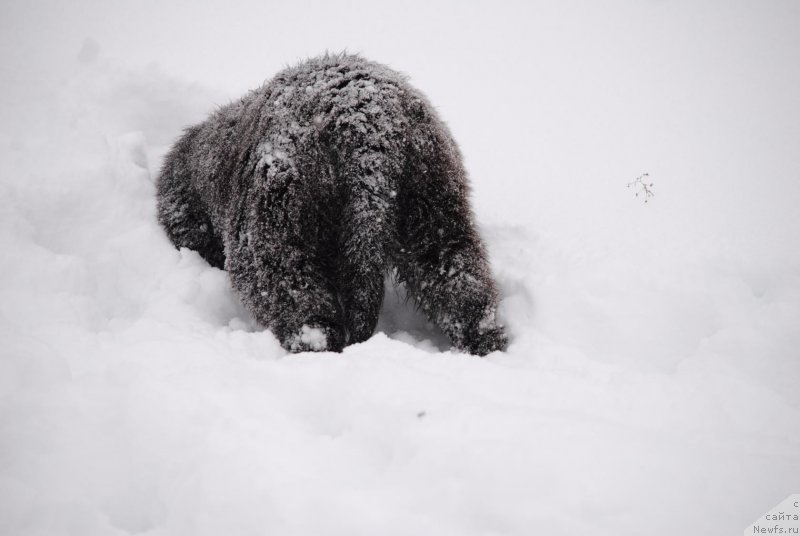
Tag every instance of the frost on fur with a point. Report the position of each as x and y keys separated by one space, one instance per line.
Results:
x=309 y=189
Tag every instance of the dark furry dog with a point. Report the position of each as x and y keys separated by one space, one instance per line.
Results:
x=311 y=188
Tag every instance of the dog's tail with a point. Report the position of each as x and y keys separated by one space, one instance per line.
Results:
x=371 y=144
x=367 y=236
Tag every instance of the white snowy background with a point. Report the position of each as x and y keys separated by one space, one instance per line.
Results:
x=653 y=381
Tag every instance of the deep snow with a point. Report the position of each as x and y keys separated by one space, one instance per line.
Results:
x=651 y=386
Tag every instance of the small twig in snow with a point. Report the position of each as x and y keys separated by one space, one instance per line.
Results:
x=642 y=187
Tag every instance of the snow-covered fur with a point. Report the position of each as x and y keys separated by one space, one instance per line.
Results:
x=312 y=187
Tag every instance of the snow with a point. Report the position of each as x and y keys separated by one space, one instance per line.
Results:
x=312 y=337
x=651 y=384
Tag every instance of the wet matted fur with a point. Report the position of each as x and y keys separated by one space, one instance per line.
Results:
x=312 y=187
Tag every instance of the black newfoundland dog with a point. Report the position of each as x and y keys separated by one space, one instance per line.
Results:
x=311 y=188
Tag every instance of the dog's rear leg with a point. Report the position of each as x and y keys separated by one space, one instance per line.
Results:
x=442 y=259
x=286 y=283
